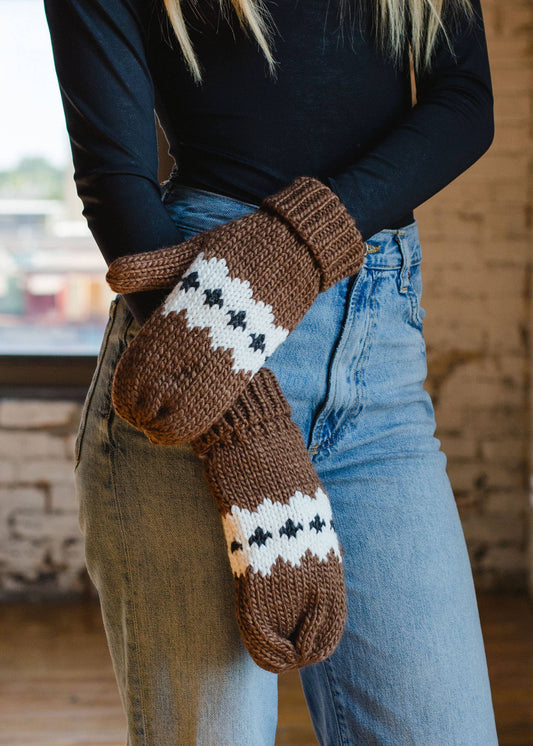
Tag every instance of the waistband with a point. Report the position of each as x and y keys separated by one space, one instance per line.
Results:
x=389 y=248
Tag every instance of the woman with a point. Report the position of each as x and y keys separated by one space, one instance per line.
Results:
x=249 y=108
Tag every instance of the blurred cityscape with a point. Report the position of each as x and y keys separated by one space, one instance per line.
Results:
x=53 y=296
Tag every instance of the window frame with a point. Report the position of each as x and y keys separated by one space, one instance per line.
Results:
x=46 y=376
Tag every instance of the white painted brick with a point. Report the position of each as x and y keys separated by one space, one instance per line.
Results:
x=64 y=497
x=47 y=470
x=28 y=524
x=23 y=558
x=17 y=498
x=73 y=551
x=36 y=525
x=68 y=445
x=25 y=445
x=7 y=471
x=67 y=545
x=23 y=414
x=41 y=542
x=69 y=580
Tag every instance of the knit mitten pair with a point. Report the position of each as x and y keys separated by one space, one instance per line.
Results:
x=281 y=541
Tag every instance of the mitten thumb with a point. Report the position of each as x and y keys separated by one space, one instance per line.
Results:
x=153 y=270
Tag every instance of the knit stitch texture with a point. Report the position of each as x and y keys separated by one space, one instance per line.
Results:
x=248 y=284
x=280 y=534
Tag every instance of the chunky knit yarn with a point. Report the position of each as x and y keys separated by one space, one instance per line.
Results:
x=281 y=540
x=280 y=535
x=248 y=284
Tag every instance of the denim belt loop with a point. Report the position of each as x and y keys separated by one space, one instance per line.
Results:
x=405 y=272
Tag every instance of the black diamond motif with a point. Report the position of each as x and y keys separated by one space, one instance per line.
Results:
x=235 y=546
x=213 y=298
x=290 y=529
x=317 y=523
x=237 y=319
x=190 y=281
x=258 y=342
x=259 y=537
x=332 y=525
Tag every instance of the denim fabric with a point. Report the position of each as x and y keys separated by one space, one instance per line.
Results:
x=410 y=668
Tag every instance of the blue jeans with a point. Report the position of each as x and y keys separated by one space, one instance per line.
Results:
x=411 y=667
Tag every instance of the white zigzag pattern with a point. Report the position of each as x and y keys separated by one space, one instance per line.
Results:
x=241 y=524
x=237 y=296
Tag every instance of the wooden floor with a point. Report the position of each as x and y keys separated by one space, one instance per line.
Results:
x=57 y=686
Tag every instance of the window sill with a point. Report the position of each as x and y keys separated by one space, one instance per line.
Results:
x=46 y=376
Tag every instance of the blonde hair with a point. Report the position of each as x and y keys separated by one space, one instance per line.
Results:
x=398 y=24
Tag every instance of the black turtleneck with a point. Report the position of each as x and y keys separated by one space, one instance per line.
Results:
x=339 y=110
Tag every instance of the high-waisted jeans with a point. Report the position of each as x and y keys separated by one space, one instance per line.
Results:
x=410 y=667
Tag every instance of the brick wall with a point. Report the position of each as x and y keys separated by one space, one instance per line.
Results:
x=476 y=237
x=41 y=547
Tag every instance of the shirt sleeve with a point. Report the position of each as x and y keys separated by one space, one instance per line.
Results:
x=108 y=101
x=108 y=98
x=448 y=129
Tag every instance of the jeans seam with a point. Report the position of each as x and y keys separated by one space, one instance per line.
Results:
x=112 y=450
x=357 y=405
x=339 y=720
x=318 y=425
x=415 y=301
x=415 y=316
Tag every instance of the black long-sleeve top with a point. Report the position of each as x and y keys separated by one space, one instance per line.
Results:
x=338 y=109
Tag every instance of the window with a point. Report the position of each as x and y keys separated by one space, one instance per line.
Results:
x=54 y=300
x=53 y=295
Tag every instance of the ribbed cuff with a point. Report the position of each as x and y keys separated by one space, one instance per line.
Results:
x=324 y=223
x=262 y=402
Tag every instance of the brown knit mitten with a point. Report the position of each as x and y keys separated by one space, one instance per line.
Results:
x=281 y=541
x=284 y=553
x=249 y=283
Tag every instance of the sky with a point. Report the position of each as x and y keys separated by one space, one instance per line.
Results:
x=32 y=120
